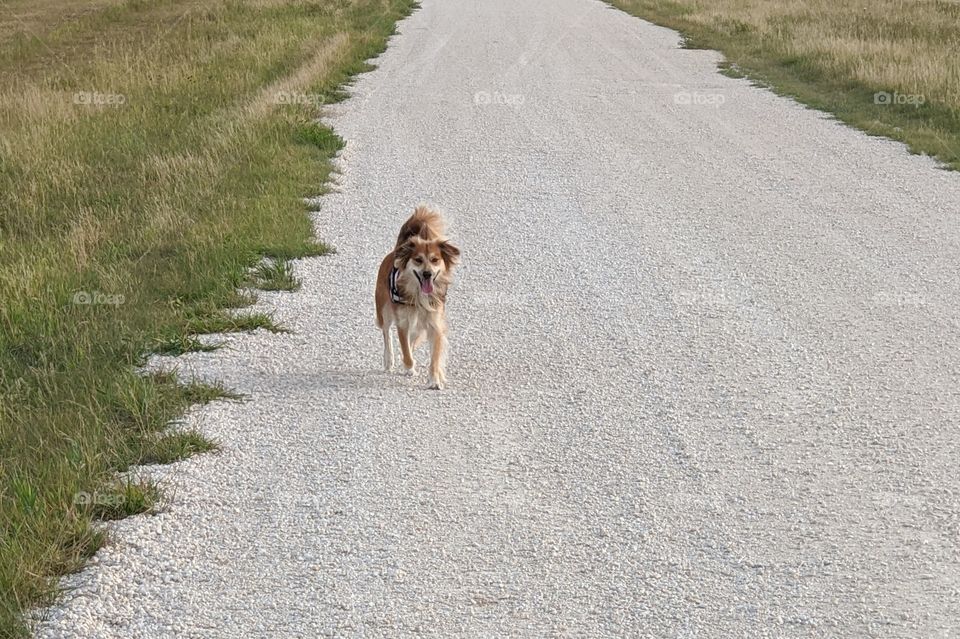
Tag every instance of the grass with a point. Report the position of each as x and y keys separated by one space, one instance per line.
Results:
x=204 y=393
x=178 y=344
x=151 y=155
x=887 y=67
x=226 y=322
x=177 y=446
x=274 y=275
x=122 y=499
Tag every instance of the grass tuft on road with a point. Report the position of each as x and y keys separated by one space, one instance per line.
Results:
x=884 y=66
x=227 y=322
x=274 y=275
x=178 y=344
x=177 y=446
x=123 y=499
x=151 y=154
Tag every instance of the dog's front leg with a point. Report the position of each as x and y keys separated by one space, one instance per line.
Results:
x=438 y=336
x=408 y=362
x=387 y=348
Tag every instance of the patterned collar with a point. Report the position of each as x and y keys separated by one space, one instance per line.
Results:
x=395 y=294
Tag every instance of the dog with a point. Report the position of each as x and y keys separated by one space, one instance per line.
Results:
x=411 y=292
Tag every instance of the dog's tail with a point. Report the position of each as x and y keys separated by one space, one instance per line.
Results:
x=425 y=222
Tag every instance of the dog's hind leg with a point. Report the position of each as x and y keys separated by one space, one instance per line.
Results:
x=421 y=335
x=387 y=347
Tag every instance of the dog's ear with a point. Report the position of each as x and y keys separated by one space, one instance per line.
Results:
x=403 y=254
x=450 y=253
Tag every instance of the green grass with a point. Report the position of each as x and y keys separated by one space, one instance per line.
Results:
x=204 y=393
x=119 y=500
x=839 y=57
x=177 y=446
x=178 y=344
x=232 y=323
x=274 y=275
x=150 y=157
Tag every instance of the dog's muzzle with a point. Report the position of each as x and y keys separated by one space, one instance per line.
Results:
x=426 y=282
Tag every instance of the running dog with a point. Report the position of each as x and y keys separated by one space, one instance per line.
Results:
x=411 y=291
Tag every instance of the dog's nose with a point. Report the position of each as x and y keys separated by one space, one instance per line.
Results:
x=427 y=275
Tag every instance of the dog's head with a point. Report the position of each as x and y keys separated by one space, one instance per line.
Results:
x=430 y=262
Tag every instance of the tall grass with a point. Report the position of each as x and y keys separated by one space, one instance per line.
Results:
x=151 y=154
x=888 y=67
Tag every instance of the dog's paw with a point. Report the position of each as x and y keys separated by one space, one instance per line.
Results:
x=410 y=372
x=435 y=384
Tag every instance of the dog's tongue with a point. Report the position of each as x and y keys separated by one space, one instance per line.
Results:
x=426 y=287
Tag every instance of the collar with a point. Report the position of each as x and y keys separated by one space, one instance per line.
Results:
x=395 y=294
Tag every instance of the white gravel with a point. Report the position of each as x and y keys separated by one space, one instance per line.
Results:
x=703 y=373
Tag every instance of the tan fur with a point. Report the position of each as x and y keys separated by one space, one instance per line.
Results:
x=422 y=252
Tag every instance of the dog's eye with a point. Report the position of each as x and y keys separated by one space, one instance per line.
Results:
x=434 y=260
x=417 y=260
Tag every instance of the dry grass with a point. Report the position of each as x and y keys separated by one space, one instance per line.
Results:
x=837 y=55
x=147 y=162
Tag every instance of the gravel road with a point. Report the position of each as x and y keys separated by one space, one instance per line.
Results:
x=704 y=377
